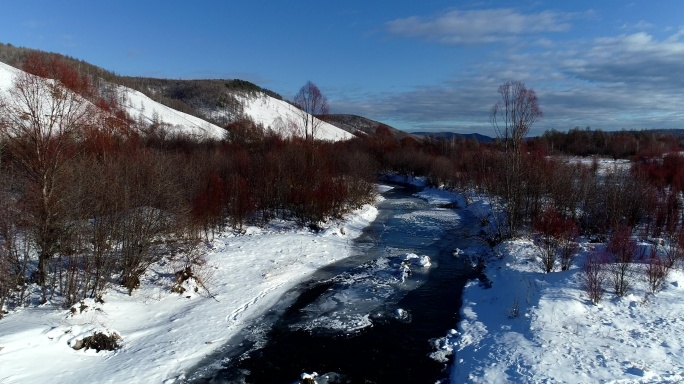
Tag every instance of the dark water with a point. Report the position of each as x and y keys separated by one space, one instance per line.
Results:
x=359 y=321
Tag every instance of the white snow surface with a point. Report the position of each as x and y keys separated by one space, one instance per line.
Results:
x=558 y=335
x=141 y=107
x=164 y=333
x=282 y=117
x=7 y=75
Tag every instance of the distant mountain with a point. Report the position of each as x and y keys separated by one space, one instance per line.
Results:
x=197 y=107
x=359 y=125
x=674 y=132
x=455 y=136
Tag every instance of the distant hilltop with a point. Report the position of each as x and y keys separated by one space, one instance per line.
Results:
x=455 y=136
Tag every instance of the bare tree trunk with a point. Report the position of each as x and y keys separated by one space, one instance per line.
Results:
x=41 y=119
x=512 y=118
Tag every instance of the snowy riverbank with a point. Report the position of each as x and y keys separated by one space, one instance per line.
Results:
x=531 y=327
x=166 y=333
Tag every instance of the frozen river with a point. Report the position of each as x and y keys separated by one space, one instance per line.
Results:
x=378 y=317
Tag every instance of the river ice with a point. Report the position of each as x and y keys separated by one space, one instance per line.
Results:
x=365 y=293
x=370 y=292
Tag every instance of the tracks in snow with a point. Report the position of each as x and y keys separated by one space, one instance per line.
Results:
x=237 y=314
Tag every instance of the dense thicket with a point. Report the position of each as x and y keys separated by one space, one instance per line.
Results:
x=89 y=200
x=124 y=203
x=618 y=145
x=643 y=195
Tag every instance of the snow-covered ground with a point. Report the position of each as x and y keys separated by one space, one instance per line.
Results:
x=604 y=165
x=164 y=333
x=558 y=335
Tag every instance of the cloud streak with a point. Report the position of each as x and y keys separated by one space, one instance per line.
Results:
x=460 y=27
x=638 y=60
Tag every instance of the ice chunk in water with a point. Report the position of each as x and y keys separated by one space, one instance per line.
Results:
x=443 y=346
x=347 y=305
x=402 y=315
x=414 y=259
x=326 y=378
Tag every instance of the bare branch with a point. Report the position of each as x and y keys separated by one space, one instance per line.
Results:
x=313 y=105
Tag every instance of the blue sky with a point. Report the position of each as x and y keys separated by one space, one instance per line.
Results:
x=416 y=65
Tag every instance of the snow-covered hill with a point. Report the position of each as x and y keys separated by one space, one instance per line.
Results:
x=141 y=107
x=263 y=109
x=279 y=116
x=7 y=75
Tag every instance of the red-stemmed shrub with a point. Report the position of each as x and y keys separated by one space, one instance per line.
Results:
x=622 y=249
x=556 y=239
x=656 y=271
x=594 y=277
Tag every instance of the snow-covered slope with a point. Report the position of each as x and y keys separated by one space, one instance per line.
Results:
x=263 y=109
x=141 y=107
x=556 y=335
x=280 y=116
x=7 y=75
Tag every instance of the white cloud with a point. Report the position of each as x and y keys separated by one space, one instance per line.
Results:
x=546 y=43
x=637 y=59
x=639 y=25
x=479 y=26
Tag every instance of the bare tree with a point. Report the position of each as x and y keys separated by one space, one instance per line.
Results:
x=673 y=247
x=313 y=105
x=555 y=240
x=656 y=271
x=594 y=277
x=41 y=118
x=623 y=249
x=13 y=257
x=149 y=207
x=512 y=117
